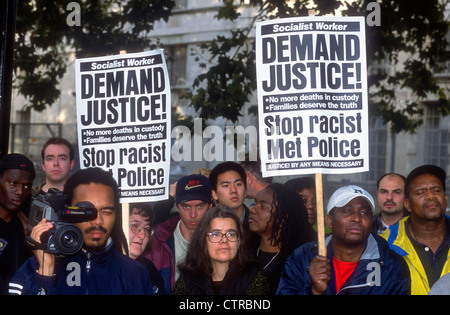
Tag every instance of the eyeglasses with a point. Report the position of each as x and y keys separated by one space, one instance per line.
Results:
x=216 y=237
x=137 y=228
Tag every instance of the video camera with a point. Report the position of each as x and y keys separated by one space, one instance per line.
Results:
x=64 y=238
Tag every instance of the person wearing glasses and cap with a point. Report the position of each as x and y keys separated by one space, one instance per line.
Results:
x=216 y=263
x=357 y=262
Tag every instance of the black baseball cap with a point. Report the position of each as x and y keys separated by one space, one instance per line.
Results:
x=193 y=187
x=426 y=169
x=17 y=161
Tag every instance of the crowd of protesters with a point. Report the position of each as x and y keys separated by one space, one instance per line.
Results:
x=205 y=240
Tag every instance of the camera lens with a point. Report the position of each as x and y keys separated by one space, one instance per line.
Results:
x=68 y=239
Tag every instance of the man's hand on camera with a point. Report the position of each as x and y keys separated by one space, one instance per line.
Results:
x=46 y=261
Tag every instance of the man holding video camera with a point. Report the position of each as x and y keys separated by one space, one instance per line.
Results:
x=99 y=267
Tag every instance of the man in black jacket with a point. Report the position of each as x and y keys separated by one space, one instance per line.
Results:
x=16 y=179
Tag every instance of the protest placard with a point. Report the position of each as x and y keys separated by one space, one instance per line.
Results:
x=123 y=119
x=312 y=95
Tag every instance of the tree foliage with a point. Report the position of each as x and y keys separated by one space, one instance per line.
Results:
x=411 y=39
x=43 y=39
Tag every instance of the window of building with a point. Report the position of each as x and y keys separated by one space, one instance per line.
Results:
x=176 y=64
x=436 y=139
x=20 y=132
x=377 y=149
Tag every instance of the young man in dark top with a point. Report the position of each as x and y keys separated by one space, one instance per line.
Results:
x=16 y=178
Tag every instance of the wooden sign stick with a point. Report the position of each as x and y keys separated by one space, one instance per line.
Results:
x=126 y=211
x=126 y=224
x=319 y=201
x=320 y=216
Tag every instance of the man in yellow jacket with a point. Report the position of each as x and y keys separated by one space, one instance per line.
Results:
x=423 y=238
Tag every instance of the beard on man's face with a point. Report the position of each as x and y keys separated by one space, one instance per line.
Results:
x=95 y=244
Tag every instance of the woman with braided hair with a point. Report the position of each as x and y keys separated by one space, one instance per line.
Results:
x=280 y=221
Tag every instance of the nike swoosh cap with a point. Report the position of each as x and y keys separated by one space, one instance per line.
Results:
x=193 y=187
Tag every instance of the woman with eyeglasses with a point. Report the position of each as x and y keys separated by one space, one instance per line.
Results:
x=216 y=262
x=141 y=231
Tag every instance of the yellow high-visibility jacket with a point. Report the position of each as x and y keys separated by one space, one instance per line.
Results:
x=399 y=242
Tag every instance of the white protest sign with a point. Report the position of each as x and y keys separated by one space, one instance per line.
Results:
x=123 y=119
x=312 y=95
